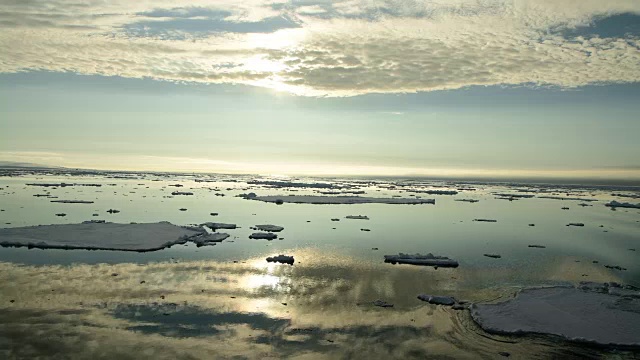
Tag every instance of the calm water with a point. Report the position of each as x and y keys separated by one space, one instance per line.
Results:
x=225 y=300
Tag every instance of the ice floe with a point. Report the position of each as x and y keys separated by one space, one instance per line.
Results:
x=615 y=204
x=270 y=228
x=316 y=199
x=418 y=259
x=215 y=226
x=604 y=315
x=437 y=300
x=284 y=259
x=99 y=236
x=210 y=239
x=263 y=235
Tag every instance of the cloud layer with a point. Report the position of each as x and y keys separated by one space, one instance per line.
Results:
x=328 y=48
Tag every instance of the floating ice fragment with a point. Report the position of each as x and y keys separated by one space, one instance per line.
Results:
x=418 y=259
x=284 y=259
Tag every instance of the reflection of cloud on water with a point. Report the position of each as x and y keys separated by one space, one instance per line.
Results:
x=204 y=309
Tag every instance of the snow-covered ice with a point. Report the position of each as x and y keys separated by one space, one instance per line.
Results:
x=99 y=236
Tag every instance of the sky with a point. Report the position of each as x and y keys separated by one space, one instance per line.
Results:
x=459 y=88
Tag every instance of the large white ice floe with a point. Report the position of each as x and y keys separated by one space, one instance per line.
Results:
x=604 y=314
x=615 y=204
x=418 y=259
x=100 y=236
x=316 y=199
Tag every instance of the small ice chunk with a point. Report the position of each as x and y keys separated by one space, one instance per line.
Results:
x=263 y=235
x=615 y=204
x=215 y=226
x=284 y=259
x=615 y=267
x=210 y=238
x=418 y=259
x=437 y=300
x=316 y=199
x=270 y=228
x=382 y=303
x=357 y=217
x=566 y=198
x=520 y=196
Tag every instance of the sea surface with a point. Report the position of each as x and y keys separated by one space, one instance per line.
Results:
x=226 y=301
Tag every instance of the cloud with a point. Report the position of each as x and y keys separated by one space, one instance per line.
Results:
x=322 y=48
